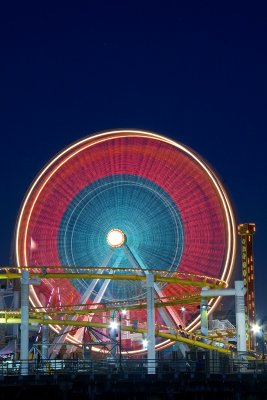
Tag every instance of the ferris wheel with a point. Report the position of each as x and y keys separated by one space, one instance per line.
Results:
x=126 y=199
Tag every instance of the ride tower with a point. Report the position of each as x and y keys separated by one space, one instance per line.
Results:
x=246 y=232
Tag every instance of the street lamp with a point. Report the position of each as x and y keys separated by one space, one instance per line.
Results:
x=120 y=368
x=145 y=343
x=259 y=330
x=115 y=325
x=256 y=329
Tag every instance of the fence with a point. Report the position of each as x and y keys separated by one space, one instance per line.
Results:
x=206 y=366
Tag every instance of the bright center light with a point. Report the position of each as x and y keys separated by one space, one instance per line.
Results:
x=145 y=343
x=113 y=324
x=116 y=238
x=256 y=328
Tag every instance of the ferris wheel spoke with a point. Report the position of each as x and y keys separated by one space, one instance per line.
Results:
x=163 y=312
x=98 y=298
x=88 y=292
x=56 y=346
x=132 y=259
x=168 y=310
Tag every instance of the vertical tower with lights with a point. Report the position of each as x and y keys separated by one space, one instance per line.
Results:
x=246 y=232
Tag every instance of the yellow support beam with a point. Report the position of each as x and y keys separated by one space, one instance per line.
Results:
x=160 y=276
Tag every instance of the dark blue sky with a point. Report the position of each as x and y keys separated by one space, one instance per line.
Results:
x=197 y=75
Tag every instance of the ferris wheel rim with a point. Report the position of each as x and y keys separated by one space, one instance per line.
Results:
x=103 y=136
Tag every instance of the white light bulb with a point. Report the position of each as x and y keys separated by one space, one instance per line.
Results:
x=113 y=325
x=116 y=238
x=145 y=343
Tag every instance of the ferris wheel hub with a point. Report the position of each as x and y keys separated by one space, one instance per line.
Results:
x=116 y=238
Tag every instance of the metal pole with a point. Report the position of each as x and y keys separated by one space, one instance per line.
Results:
x=263 y=347
x=240 y=316
x=24 y=326
x=151 y=353
x=15 y=306
x=120 y=366
x=204 y=315
x=45 y=341
x=113 y=334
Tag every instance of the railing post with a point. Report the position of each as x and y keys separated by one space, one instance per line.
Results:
x=151 y=353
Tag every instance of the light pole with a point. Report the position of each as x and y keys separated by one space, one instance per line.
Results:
x=115 y=326
x=259 y=330
x=120 y=368
x=263 y=346
x=121 y=312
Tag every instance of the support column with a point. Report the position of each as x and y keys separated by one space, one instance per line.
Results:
x=2 y=307
x=16 y=307
x=151 y=353
x=113 y=336
x=240 y=316
x=204 y=315
x=24 y=326
x=45 y=341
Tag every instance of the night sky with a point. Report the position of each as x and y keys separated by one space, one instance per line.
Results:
x=197 y=75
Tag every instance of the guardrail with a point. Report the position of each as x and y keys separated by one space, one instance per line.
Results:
x=207 y=366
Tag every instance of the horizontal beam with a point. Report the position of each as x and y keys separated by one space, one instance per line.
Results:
x=61 y=310
x=181 y=279
x=217 y=292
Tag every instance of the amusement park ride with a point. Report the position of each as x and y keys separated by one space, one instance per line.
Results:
x=116 y=235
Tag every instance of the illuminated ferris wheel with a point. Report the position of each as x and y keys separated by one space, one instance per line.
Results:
x=126 y=199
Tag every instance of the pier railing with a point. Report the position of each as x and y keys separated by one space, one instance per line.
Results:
x=207 y=366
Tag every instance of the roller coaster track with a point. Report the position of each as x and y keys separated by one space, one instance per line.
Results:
x=163 y=276
x=39 y=315
x=13 y=317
